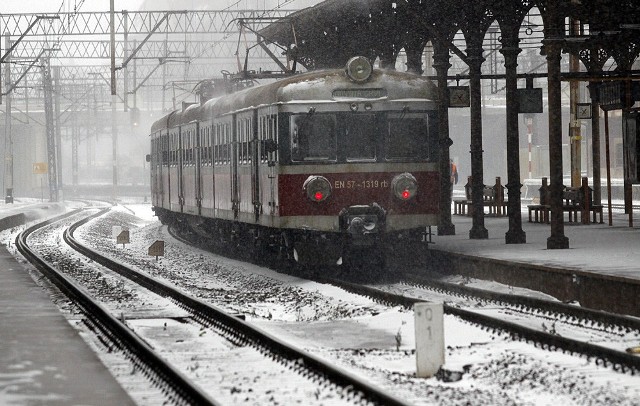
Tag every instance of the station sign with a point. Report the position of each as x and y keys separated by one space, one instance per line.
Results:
x=123 y=238
x=631 y=146
x=583 y=111
x=530 y=100
x=618 y=95
x=40 y=168
x=459 y=96
x=157 y=249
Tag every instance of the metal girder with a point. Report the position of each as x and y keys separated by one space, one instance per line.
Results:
x=85 y=49
x=137 y=22
x=15 y=83
x=145 y=39
x=16 y=42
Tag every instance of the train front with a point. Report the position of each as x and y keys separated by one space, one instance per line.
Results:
x=359 y=167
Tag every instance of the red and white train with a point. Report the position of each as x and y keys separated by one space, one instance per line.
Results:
x=317 y=165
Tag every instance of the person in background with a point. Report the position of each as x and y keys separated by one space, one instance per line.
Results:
x=454 y=174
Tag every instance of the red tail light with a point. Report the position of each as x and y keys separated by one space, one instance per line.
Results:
x=318 y=188
x=404 y=186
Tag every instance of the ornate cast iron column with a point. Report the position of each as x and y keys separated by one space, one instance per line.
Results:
x=553 y=46
x=594 y=57
x=510 y=50
x=475 y=59
x=414 y=48
x=441 y=65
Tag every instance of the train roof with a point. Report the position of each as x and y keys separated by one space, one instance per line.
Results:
x=304 y=88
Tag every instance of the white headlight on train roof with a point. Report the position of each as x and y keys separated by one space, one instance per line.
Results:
x=359 y=69
x=404 y=186
x=317 y=188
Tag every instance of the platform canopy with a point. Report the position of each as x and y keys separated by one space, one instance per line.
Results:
x=327 y=34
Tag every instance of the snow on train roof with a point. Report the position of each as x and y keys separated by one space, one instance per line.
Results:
x=311 y=87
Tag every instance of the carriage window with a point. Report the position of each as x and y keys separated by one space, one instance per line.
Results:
x=360 y=137
x=313 y=137
x=406 y=138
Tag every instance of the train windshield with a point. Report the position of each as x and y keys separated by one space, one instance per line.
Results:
x=360 y=137
x=352 y=137
x=313 y=137
x=406 y=137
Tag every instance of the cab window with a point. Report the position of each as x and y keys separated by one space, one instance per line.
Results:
x=313 y=137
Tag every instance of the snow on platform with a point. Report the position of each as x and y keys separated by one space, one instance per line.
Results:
x=596 y=248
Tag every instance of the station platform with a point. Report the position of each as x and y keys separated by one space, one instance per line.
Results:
x=594 y=247
x=601 y=264
x=43 y=360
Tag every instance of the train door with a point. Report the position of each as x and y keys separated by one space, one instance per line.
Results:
x=175 y=170
x=165 y=186
x=255 y=166
x=272 y=161
x=235 y=190
x=197 y=140
x=268 y=156
x=181 y=163
x=153 y=168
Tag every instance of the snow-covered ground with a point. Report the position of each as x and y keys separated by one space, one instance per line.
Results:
x=375 y=341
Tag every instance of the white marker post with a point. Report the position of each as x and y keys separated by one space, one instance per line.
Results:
x=429 y=326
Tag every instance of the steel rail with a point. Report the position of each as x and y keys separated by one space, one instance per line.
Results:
x=140 y=352
x=239 y=329
x=611 y=320
x=620 y=361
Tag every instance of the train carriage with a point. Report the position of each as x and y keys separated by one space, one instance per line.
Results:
x=316 y=165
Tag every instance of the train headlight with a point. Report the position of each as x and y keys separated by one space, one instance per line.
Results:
x=359 y=69
x=404 y=186
x=317 y=188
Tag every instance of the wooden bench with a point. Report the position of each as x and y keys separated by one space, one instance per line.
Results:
x=492 y=197
x=542 y=209
x=581 y=200
x=574 y=202
x=540 y=213
x=460 y=206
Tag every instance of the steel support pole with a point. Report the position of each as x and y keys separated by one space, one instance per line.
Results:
x=135 y=79
x=478 y=230
x=114 y=145
x=112 y=38
x=125 y=69
x=595 y=150
x=608 y=161
x=575 y=137
x=50 y=129
x=515 y=234
x=8 y=137
x=553 y=47
x=114 y=98
x=442 y=65
x=74 y=148
x=58 y=130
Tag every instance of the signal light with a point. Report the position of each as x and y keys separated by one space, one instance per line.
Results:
x=404 y=186
x=317 y=188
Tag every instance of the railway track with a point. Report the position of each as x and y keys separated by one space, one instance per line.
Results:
x=317 y=372
x=178 y=389
x=550 y=311
x=619 y=360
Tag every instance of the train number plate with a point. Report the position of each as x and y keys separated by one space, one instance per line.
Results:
x=361 y=184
